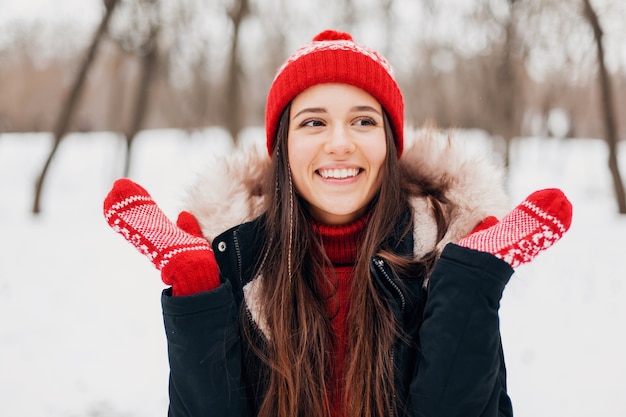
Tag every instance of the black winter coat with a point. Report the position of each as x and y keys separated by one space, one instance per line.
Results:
x=454 y=367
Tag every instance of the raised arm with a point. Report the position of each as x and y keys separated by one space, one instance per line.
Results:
x=199 y=312
x=461 y=370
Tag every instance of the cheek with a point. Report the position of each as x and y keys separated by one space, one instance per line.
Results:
x=299 y=159
x=376 y=154
x=294 y=154
x=301 y=150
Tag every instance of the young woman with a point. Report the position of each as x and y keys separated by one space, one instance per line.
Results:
x=350 y=274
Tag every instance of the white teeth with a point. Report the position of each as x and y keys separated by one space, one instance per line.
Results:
x=339 y=173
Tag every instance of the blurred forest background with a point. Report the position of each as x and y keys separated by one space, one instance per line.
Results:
x=511 y=68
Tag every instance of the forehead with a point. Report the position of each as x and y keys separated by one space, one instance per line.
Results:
x=332 y=95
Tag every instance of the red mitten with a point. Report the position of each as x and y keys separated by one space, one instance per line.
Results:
x=189 y=224
x=485 y=224
x=186 y=261
x=531 y=227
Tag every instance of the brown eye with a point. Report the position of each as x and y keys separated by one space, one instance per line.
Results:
x=312 y=123
x=365 y=121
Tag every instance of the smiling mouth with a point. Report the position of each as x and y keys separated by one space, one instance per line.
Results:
x=342 y=173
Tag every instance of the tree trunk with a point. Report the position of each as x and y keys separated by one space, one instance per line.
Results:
x=608 y=110
x=507 y=86
x=234 y=111
x=69 y=107
x=149 y=63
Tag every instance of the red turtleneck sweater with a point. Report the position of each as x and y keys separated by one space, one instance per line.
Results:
x=341 y=244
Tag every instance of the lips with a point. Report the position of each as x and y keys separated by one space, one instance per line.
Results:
x=338 y=173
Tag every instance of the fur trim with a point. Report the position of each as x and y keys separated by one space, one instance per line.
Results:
x=468 y=177
x=230 y=191
x=251 y=294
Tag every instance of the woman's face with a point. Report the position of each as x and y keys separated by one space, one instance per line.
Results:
x=336 y=147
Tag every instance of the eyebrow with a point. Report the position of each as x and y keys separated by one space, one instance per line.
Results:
x=366 y=108
x=310 y=110
x=323 y=110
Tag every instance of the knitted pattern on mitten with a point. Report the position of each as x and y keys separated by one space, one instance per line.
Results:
x=186 y=262
x=531 y=227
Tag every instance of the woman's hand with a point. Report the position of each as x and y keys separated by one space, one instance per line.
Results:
x=185 y=258
x=533 y=226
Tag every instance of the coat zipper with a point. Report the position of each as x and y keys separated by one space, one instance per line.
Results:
x=239 y=261
x=380 y=265
x=239 y=269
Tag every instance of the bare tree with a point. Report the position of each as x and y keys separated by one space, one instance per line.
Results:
x=149 y=51
x=234 y=110
x=507 y=81
x=69 y=107
x=503 y=76
x=608 y=110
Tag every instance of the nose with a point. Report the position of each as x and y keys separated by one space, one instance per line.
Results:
x=340 y=141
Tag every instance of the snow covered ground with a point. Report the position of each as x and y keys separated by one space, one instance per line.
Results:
x=80 y=321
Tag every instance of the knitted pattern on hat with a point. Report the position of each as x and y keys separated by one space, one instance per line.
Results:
x=531 y=227
x=186 y=261
x=334 y=57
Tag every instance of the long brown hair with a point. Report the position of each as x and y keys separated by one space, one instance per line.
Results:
x=293 y=296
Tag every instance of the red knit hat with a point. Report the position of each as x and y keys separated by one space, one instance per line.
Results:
x=334 y=57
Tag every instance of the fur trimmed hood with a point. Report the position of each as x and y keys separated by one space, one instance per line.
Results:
x=230 y=192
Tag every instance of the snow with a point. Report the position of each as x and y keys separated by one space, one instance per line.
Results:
x=81 y=329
